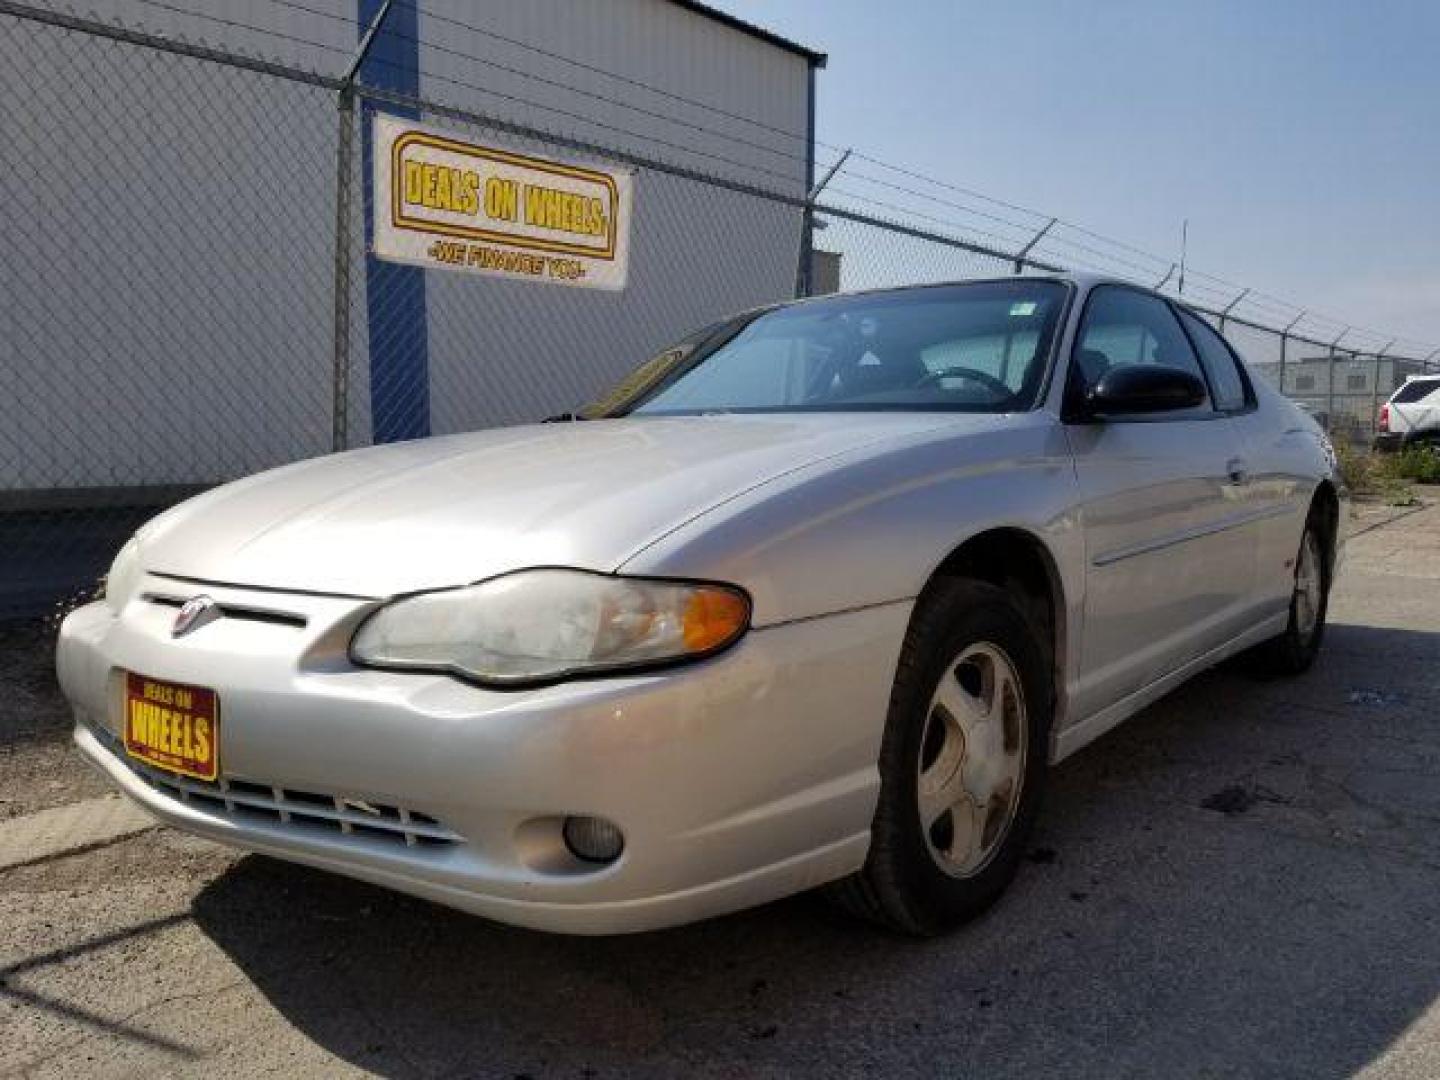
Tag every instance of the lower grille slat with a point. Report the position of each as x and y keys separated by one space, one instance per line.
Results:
x=244 y=799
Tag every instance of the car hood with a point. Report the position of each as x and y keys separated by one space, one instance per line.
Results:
x=451 y=510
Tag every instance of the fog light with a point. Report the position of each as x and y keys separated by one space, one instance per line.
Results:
x=593 y=839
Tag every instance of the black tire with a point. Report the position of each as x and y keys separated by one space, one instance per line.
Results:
x=1293 y=651
x=902 y=885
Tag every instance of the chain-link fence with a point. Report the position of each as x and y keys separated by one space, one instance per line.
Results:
x=190 y=294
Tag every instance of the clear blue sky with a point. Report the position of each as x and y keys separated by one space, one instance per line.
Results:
x=1300 y=137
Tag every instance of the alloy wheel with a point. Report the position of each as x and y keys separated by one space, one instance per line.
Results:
x=972 y=759
x=1309 y=586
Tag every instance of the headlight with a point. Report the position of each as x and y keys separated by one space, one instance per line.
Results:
x=124 y=576
x=543 y=625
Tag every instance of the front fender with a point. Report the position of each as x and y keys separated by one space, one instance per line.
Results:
x=871 y=527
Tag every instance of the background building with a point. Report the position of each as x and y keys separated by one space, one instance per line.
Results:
x=171 y=193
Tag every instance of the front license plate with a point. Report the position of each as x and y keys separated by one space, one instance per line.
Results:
x=173 y=726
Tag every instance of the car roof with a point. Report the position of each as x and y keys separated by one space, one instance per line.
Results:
x=1082 y=281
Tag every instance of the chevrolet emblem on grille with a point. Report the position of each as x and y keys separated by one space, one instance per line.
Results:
x=193 y=614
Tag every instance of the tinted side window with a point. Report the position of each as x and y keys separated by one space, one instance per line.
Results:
x=1126 y=327
x=1416 y=389
x=1226 y=382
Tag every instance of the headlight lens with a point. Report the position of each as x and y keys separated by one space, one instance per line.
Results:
x=124 y=576
x=543 y=625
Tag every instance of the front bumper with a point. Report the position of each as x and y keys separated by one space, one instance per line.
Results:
x=735 y=780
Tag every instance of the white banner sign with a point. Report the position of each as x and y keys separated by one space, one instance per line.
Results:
x=443 y=202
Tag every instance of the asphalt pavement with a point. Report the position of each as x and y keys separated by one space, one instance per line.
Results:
x=1244 y=880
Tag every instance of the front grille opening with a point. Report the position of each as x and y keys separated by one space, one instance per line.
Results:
x=304 y=798
x=235 y=611
x=249 y=801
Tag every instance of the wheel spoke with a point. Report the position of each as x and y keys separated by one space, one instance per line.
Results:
x=939 y=796
x=1309 y=585
x=967 y=830
x=967 y=709
x=941 y=785
x=1003 y=693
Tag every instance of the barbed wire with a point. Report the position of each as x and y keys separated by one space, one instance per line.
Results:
x=530 y=76
x=789 y=178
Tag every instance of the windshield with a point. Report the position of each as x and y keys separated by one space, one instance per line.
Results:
x=979 y=347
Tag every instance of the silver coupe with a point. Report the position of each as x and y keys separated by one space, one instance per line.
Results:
x=814 y=597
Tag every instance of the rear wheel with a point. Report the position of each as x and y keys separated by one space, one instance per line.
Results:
x=1295 y=649
x=962 y=763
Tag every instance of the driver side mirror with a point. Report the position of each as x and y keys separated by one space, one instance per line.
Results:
x=1143 y=388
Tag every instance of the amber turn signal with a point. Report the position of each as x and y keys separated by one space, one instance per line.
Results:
x=712 y=618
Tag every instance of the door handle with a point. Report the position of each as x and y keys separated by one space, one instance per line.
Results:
x=1237 y=471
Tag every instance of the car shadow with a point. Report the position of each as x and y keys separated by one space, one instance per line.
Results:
x=1238 y=881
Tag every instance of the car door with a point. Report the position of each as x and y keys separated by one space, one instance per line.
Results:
x=1274 y=498
x=1167 y=568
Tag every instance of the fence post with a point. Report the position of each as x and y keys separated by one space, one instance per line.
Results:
x=1285 y=341
x=344 y=151
x=1024 y=251
x=340 y=382
x=1231 y=307
x=1330 y=384
x=1375 y=390
x=807 y=226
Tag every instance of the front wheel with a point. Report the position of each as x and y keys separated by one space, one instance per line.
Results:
x=962 y=763
x=1294 y=650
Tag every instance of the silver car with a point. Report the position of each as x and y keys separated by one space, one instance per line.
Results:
x=813 y=598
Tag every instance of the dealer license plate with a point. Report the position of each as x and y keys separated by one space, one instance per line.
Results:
x=172 y=726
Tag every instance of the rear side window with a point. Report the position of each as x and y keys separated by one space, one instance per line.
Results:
x=1125 y=327
x=1226 y=382
x=1416 y=389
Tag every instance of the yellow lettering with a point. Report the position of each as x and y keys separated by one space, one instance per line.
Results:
x=564 y=211
x=500 y=199
x=202 y=741
x=413 y=181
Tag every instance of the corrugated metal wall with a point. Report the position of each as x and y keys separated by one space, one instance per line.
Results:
x=168 y=282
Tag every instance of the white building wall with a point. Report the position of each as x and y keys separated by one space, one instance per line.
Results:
x=164 y=323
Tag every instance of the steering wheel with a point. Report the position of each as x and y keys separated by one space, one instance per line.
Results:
x=990 y=382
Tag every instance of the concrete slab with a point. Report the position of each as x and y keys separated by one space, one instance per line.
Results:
x=64 y=829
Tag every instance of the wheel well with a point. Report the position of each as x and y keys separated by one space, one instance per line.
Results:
x=1015 y=560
